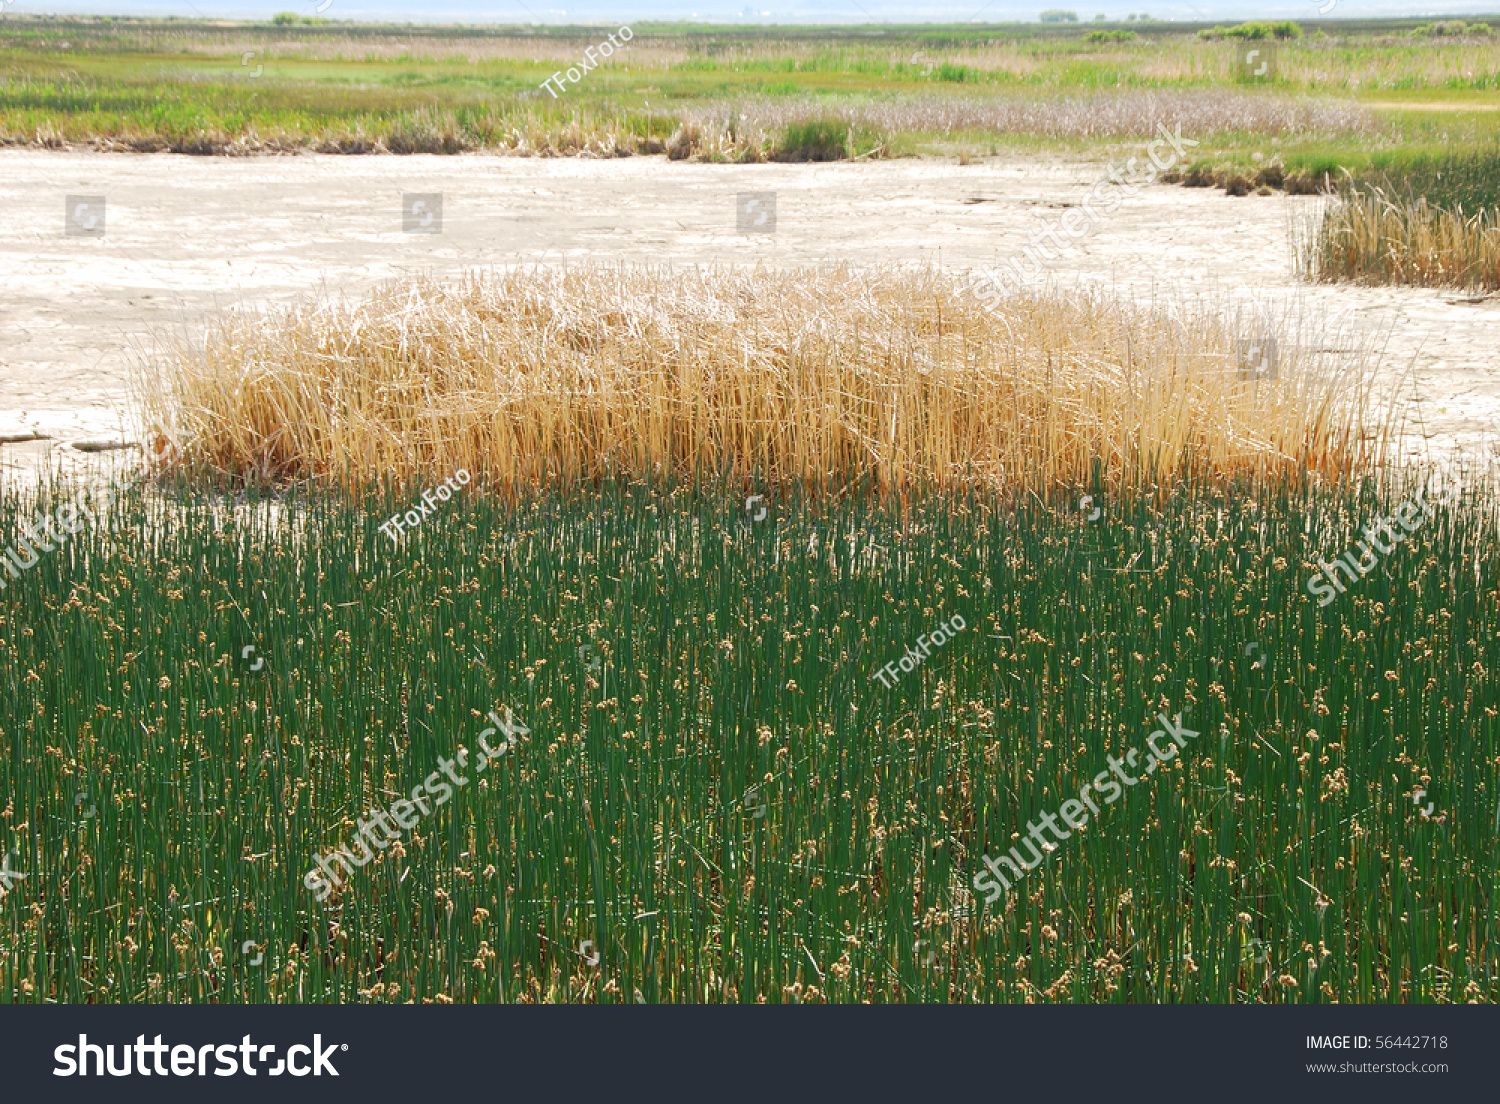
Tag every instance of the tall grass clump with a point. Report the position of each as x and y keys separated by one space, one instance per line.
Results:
x=1369 y=237
x=822 y=377
x=814 y=140
x=1411 y=218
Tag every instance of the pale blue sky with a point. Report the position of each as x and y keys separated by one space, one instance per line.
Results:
x=729 y=11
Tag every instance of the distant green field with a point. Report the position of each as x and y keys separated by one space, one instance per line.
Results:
x=210 y=88
x=716 y=794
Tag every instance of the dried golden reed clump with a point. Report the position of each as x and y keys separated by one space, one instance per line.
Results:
x=1369 y=237
x=820 y=376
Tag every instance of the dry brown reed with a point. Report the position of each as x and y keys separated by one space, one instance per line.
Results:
x=1368 y=237
x=885 y=377
x=724 y=130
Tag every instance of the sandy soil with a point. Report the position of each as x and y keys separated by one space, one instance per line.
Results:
x=188 y=236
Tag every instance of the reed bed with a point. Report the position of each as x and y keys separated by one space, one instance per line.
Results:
x=753 y=127
x=1369 y=237
x=1039 y=56
x=745 y=128
x=723 y=799
x=899 y=379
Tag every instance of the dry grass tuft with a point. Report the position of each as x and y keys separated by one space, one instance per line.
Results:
x=1368 y=237
x=824 y=377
